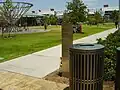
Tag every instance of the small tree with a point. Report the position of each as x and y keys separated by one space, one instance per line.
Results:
x=91 y=20
x=8 y=4
x=76 y=11
x=105 y=18
x=46 y=19
x=7 y=9
x=115 y=15
x=53 y=19
x=98 y=17
x=6 y=17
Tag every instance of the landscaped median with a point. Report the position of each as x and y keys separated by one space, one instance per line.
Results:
x=24 y=44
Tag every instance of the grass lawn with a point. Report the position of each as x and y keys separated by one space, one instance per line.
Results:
x=28 y=43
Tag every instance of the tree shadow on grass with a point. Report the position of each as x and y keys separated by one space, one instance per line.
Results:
x=67 y=88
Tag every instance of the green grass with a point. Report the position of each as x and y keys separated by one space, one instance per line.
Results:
x=42 y=27
x=89 y=30
x=28 y=43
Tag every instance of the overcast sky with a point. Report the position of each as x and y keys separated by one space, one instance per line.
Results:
x=60 y=4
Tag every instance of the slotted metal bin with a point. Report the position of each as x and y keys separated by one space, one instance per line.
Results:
x=86 y=67
x=117 y=81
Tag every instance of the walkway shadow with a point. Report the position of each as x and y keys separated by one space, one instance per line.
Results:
x=67 y=88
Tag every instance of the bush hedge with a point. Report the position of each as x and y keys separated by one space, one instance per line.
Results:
x=111 y=43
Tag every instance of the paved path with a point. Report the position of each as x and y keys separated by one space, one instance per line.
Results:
x=41 y=63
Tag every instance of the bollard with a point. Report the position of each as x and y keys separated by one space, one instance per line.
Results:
x=117 y=81
x=67 y=42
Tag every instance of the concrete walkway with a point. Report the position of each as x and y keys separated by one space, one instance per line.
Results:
x=42 y=63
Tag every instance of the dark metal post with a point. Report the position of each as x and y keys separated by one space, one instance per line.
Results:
x=119 y=17
x=117 y=81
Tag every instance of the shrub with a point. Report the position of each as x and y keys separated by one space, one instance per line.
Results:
x=111 y=43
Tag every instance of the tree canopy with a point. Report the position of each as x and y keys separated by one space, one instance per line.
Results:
x=115 y=15
x=98 y=17
x=95 y=19
x=8 y=4
x=76 y=11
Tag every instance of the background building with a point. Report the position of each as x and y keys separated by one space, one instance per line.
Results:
x=34 y=18
x=107 y=11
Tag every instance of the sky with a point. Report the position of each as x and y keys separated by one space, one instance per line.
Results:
x=60 y=4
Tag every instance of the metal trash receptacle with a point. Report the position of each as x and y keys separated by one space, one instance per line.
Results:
x=86 y=67
x=117 y=80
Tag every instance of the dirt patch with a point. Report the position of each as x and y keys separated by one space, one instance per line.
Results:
x=13 y=81
x=58 y=79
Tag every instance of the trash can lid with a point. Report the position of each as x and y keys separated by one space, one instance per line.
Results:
x=84 y=46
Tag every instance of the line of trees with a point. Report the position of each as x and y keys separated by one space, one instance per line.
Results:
x=77 y=12
x=95 y=19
